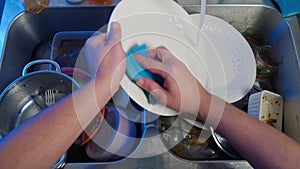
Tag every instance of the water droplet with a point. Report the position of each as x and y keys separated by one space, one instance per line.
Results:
x=227 y=33
x=236 y=60
x=179 y=26
x=176 y=19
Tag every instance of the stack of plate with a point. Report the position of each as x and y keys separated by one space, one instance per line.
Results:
x=217 y=55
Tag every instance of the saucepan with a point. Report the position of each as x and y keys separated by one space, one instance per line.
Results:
x=224 y=145
x=120 y=134
x=116 y=137
x=25 y=97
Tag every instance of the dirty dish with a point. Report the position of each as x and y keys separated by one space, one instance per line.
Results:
x=115 y=138
x=91 y=130
x=224 y=145
x=266 y=63
x=187 y=142
x=267 y=106
x=235 y=58
x=23 y=98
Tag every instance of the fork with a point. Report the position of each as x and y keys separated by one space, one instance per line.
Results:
x=49 y=97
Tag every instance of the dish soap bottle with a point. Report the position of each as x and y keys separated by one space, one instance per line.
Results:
x=35 y=6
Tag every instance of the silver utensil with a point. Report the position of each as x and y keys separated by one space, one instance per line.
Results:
x=39 y=100
x=49 y=97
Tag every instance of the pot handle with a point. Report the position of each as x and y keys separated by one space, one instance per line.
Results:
x=41 y=61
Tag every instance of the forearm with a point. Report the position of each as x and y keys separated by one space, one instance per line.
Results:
x=40 y=141
x=260 y=144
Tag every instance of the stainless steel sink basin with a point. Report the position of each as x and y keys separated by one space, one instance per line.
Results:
x=27 y=36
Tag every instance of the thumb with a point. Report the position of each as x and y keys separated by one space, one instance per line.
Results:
x=114 y=34
x=152 y=87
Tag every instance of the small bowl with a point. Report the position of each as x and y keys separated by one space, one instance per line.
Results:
x=115 y=139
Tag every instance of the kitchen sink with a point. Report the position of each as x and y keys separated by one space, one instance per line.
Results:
x=29 y=37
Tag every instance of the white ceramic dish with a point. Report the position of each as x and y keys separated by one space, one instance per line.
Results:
x=226 y=74
x=232 y=71
x=224 y=64
x=158 y=23
x=132 y=9
x=267 y=107
x=127 y=8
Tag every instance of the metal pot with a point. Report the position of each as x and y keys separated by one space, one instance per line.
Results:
x=24 y=97
x=224 y=145
x=116 y=137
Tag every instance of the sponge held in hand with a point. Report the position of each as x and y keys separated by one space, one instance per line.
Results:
x=134 y=70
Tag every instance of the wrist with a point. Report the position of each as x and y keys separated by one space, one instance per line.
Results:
x=102 y=90
x=211 y=108
x=205 y=103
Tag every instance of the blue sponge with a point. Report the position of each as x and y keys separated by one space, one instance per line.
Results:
x=134 y=70
x=289 y=7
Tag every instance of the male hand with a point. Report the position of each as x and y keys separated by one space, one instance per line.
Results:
x=106 y=58
x=180 y=91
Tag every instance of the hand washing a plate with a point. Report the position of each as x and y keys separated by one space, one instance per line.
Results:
x=214 y=51
x=224 y=69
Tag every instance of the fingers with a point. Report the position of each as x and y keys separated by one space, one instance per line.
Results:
x=97 y=39
x=113 y=37
x=153 y=53
x=115 y=33
x=160 y=53
x=100 y=38
x=152 y=87
x=152 y=65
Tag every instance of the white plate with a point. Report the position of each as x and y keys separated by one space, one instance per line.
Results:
x=232 y=73
x=157 y=23
x=131 y=7
x=165 y=23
